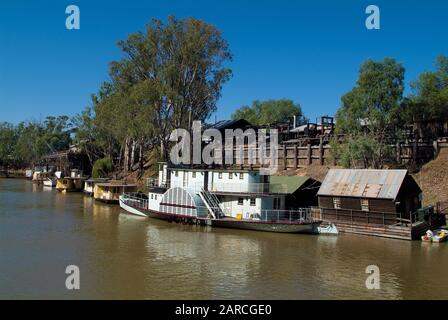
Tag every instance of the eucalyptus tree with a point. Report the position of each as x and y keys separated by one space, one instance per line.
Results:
x=170 y=74
x=429 y=98
x=269 y=112
x=370 y=114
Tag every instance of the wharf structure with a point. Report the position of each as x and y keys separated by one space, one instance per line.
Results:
x=384 y=203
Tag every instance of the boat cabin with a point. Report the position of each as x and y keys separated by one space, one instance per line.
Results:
x=40 y=176
x=89 y=185
x=110 y=192
x=70 y=184
x=241 y=194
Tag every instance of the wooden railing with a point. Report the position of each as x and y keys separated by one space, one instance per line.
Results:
x=363 y=217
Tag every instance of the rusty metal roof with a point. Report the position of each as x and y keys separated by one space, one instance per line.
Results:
x=363 y=183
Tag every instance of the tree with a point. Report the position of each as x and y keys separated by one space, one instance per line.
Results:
x=102 y=168
x=269 y=112
x=170 y=75
x=8 y=139
x=429 y=98
x=370 y=114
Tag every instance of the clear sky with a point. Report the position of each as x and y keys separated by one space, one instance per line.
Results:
x=308 y=51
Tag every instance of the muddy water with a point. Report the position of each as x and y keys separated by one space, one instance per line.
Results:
x=128 y=257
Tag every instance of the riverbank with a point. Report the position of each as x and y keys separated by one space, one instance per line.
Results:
x=13 y=174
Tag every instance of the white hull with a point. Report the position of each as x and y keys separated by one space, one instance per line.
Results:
x=329 y=229
x=130 y=209
x=49 y=183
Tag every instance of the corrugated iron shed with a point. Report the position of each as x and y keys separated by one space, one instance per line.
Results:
x=363 y=183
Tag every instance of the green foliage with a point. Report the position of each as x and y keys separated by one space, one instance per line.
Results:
x=170 y=75
x=102 y=168
x=23 y=144
x=370 y=114
x=8 y=139
x=429 y=98
x=270 y=111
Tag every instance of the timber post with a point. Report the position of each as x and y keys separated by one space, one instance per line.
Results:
x=436 y=148
x=414 y=151
x=309 y=154
x=295 y=156
x=285 y=160
x=321 y=152
x=398 y=152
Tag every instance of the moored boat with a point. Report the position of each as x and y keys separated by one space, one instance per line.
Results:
x=73 y=183
x=192 y=196
x=270 y=226
x=109 y=192
x=50 y=183
x=327 y=228
x=89 y=185
x=437 y=236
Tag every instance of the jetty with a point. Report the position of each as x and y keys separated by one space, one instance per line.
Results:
x=385 y=203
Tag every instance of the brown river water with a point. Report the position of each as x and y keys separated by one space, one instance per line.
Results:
x=127 y=257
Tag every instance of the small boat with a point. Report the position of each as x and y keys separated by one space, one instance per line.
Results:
x=51 y=183
x=440 y=235
x=134 y=203
x=437 y=236
x=327 y=228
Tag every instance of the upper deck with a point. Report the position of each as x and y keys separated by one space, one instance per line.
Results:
x=226 y=182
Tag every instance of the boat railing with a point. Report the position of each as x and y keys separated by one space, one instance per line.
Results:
x=293 y=215
x=152 y=182
x=135 y=199
x=256 y=188
x=235 y=187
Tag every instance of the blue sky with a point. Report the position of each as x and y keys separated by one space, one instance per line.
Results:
x=308 y=51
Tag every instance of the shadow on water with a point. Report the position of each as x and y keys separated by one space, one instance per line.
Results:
x=124 y=256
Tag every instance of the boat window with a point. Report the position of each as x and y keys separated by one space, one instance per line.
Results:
x=230 y=175
x=241 y=176
x=194 y=174
x=152 y=196
x=337 y=203
x=365 y=204
x=219 y=175
x=176 y=173
x=252 y=202
x=240 y=201
x=276 y=205
x=155 y=197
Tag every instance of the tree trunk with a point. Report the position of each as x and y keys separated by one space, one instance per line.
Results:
x=141 y=157
x=126 y=157
x=132 y=154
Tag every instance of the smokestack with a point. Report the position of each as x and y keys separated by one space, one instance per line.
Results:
x=294 y=123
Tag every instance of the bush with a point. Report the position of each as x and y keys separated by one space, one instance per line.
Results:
x=102 y=167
